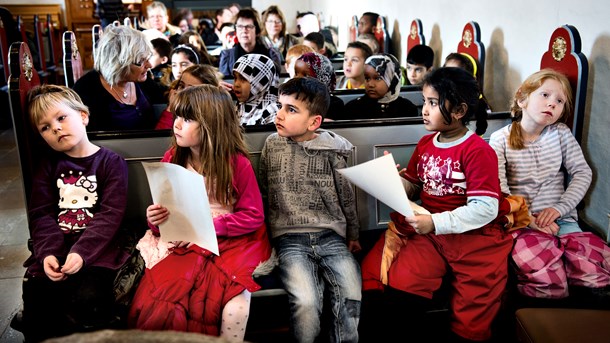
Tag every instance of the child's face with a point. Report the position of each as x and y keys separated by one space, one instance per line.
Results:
x=433 y=118
x=63 y=128
x=365 y=25
x=294 y=121
x=376 y=88
x=156 y=59
x=180 y=61
x=187 y=80
x=301 y=69
x=241 y=87
x=195 y=42
x=187 y=133
x=545 y=105
x=416 y=73
x=353 y=63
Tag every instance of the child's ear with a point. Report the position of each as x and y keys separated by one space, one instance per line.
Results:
x=316 y=121
x=164 y=59
x=85 y=117
x=459 y=111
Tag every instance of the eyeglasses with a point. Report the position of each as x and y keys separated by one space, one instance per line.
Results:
x=141 y=62
x=270 y=21
x=244 y=27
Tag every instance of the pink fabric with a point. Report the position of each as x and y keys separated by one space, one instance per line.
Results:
x=546 y=264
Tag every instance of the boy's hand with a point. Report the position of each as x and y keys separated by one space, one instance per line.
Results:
x=422 y=223
x=546 y=217
x=156 y=214
x=354 y=246
x=52 y=268
x=74 y=262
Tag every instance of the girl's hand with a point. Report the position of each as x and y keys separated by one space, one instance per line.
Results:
x=354 y=246
x=546 y=217
x=422 y=223
x=74 y=262
x=552 y=229
x=227 y=86
x=52 y=268
x=402 y=171
x=156 y=214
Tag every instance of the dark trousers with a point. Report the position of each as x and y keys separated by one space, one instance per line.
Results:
x=82 y=302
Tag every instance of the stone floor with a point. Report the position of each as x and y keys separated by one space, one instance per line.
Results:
x=13 y=235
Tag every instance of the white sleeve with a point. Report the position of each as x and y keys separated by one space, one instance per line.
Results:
x=478 y=211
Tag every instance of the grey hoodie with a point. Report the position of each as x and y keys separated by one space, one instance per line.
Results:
x=303 y=189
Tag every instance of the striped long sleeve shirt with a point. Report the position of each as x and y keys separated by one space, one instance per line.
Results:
x=536 y=173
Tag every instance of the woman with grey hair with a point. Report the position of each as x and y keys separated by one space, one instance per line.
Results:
x=114 y=89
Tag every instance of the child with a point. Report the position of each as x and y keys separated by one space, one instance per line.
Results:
x=367 y=23
x=255 y=86
x=183 y=56
x=75 y=215
x=419 y=63
x=353 y=66
x=465 y=61
x=160 y=68
x=540 y=108
x=312 y=212
x=191 y=289
x=193 y=38
x=315 y=40
x=454 y=173
x=313 y=64
x=198 y=74
x=294 y=52
x=382 y=98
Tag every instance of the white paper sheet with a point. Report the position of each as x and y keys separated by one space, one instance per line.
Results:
x=183 y=193
x=379 y=178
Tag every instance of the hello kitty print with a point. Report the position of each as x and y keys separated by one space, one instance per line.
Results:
x=77 y=196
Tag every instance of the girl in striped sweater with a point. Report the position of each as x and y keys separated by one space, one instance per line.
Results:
x=535 y=154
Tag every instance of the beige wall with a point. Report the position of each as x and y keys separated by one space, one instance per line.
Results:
x=515 y=33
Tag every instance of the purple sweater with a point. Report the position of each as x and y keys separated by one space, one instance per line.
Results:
x=77 y=206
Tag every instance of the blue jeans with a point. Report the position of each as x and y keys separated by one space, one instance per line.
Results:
x=308 y=262
x=566 y=227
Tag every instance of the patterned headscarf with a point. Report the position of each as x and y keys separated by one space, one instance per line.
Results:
x=321 y=68
x=389 y=69
x=261 y=106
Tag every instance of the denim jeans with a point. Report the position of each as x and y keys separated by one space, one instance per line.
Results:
x=566 y=227
x=309 y=262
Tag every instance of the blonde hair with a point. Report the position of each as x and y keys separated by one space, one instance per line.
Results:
x=297 y=51
x=221 y=136
x=40 y=99
x=530 y=84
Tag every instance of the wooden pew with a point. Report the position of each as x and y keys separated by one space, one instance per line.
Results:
x=471 y=44
x=73 y=65
x=416 y=35
x=410 y=92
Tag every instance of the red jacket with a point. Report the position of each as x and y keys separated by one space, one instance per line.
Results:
x=187 y=290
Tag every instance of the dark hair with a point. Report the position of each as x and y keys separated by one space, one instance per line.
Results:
x=311 y=91
x=368 y=52
x=373 y=16
x=193 y=54
x=317 y=38
x=421 y=54
x=463 y=61
x=162 y=46
x=250 y=13
x=455 y=86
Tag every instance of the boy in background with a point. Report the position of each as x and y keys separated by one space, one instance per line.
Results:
x=419 y=63
x=311 y=213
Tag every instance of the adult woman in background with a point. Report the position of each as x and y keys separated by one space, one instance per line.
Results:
x=274 y=31
x=248 y=30
x=113 y=90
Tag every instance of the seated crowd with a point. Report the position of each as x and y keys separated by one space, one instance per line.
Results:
x=297 y=204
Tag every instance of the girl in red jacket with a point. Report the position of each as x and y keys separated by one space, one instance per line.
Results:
x=191 y=289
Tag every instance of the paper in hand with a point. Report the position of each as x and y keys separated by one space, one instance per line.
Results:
x=183 y=193
x=380 y=179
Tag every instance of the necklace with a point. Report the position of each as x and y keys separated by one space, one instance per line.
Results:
x=125 y=94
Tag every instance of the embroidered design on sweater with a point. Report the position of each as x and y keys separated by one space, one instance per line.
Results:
x=77 y=195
